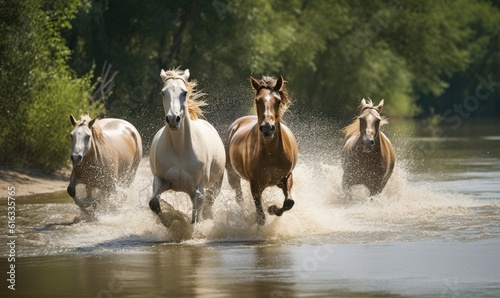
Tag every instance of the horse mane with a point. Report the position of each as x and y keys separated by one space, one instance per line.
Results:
x=97 y=133
x=84 y=119
x=353 y=128
x=193 y=97
x=270 y=82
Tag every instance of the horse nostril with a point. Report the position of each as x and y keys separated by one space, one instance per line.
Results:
x=76 y=158
x=166 y=119
x=273 y=128
x=178 y=118
x=372 y=142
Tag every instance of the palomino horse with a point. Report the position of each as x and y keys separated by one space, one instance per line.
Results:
x=261 y=149
x=368 y=156
x=105 y=152
x=187 y=154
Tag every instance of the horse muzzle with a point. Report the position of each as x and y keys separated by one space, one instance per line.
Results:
x=76 y=159
x=173 y=121
x=368 y=144
x=268 y=130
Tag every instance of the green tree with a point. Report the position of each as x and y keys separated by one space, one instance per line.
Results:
x=39 y=90
x=333 y=53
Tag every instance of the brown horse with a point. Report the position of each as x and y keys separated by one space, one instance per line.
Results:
x=105 y=152
x=261 y=149
x=367 y=156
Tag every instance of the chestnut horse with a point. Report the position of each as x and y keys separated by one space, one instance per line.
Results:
x=105 y=152
x=187 y=154
x=261 y=149
x=367 y=156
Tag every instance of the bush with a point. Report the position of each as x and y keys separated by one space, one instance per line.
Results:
x=39 y=90
x=47 y=127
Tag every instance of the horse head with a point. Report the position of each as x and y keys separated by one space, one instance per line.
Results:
x=271 y=100
x=81 y=137
x=174 y=94
x=369 y=124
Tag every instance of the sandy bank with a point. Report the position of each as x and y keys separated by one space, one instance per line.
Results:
x=30 y=182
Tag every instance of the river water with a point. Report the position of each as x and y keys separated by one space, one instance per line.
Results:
x=433 y=232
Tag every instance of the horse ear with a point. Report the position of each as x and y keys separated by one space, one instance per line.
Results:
x=363 y=103
x=72 y=119
x=279 y=84
x=186 y=74
x=92 y=122
x=255 y=83
x=380 y=105
x=163 y=75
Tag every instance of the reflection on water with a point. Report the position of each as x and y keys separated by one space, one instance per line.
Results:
x=435 y=230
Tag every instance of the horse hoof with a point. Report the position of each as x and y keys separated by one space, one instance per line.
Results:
x=71 y=191
x=288 y=204
x=273 y=210
x=155 y=206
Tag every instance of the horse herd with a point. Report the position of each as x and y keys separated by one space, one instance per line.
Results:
x=188 y=155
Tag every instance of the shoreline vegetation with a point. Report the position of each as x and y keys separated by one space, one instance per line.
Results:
x=436 y=59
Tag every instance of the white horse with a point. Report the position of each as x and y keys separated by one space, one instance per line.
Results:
x=187 y=154
x=105 y=152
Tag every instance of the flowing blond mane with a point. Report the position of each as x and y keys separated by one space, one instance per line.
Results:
x=193 y=97
x=353 y=128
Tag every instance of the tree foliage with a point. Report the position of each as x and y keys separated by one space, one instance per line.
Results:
x=332 y=52
x=39 y=90
x=422 y=56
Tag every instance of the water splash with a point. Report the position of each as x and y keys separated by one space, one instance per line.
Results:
x=407 y=210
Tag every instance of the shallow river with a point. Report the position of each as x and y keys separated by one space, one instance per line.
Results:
x=433 y=232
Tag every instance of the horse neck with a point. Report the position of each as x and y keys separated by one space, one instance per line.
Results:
x=181 y=138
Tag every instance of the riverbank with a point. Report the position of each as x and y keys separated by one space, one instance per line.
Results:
x=30 y=182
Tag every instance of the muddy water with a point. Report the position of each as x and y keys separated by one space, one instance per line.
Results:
x=434 y=231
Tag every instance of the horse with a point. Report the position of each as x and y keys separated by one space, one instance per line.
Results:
x=261 y=149
x=187 y=153
x=105 y=153
x=368 y=157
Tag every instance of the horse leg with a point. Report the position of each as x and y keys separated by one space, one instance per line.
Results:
x=86 y=214
x=159 y=186
x=257 y=195
x=235 y=182
x=166 y=218
x=286 y=185
x=346 y=186
x=72 y=186
x=197 y=198
x=211 y=194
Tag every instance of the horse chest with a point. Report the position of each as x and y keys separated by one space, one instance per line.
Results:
x=181 y=172
x=367 y=166
x=269 y=169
